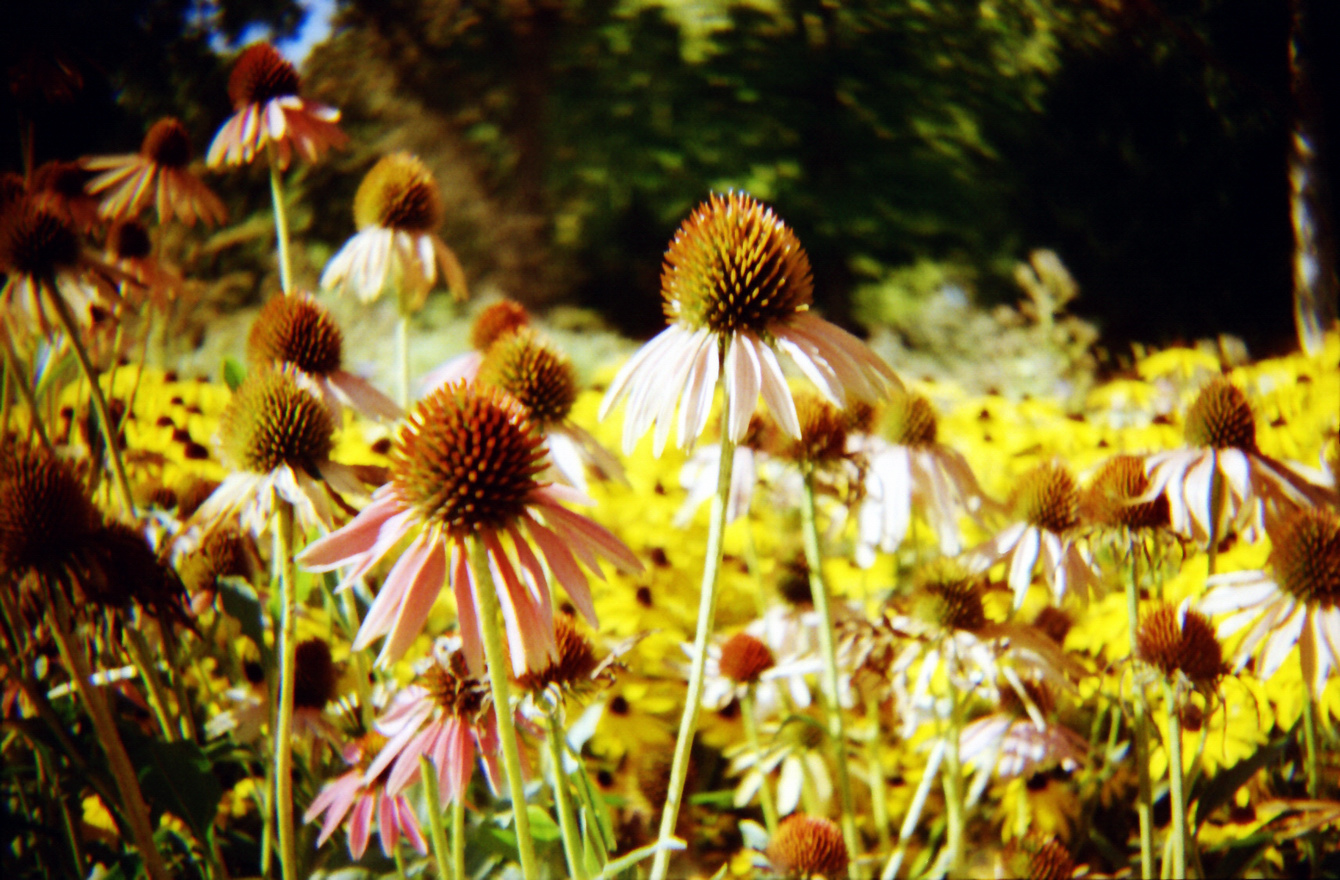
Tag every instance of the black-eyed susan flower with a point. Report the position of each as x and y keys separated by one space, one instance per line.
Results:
x=278 y=437
x=808 y=846
x=465 y=466
x=737 y=288
x=263 y=88
x=157 y=175
x=298 y=330
x=397 y=210
x=1294 y=605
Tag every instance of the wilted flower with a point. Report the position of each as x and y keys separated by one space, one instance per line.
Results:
x=157 y=175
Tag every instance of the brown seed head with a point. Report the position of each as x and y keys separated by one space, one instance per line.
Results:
x=398 y=193
x=1036 y=858
x=121 y=568
x=315 y=675
x=223 y=552
x=467 y=458
x=451 y=687
x=1054 y=622
x=1180 y=640
x=1221 y=418
x=167 y=144
x=260 y=75
x=497 y=321
x=1306 y=556
x=36 y=242
x=733 y=266
x=272 y=421
x=949 y=597
x=909 y=420
x=805 y=846
x=129 y=240
x=45 y=511
x=576 y=660
x=1109 y=499
x=298 y=330
x=823 y=432
x=744 y=658
x=535 y=373
x=1046 y=497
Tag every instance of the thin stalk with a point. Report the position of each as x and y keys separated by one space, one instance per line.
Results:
x=875 y=767
x=1313 y=773
x=914 y=810
x=283 y=727
x=20 y=379
x=281 y=220
x=1216 y=502
x=153 y=685
x=495 y=653
x=707 y=608
x=402 y=359
x=952 y=780
x=109 y=432
x=567 y=819
x=1145 y=804
x=437 y=831
x=458 y=836
x=837 y=735
x=1175 y=788
x=123 y=772
x=751 y=739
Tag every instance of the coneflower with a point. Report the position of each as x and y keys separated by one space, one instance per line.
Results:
x=808 y=846
x=157 y=175
x=494 y=322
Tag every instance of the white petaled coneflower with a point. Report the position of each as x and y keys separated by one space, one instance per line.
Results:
x=1221 y=449
x=1020 y=738
x=1116 y=497
x=1045 y=505
x=494 y=322
x=909 y=468
x=157 y=175
x=743 y=662
x=397 y=211
x=808 y=846
x=698 y=476
x=298 y=330
x=1294 y=604
x=267 y=110
x=465 y=466
x=277 y=436
x=737 y=288
x=1180 y=642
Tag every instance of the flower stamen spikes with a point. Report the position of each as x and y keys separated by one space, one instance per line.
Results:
x=535 y=373
x=1178 y=639
x=806 y=846
x=1113 y=497
x=296 y=330
x=1048 y=498
x=909 y=420
x=1306 y=557
x=744 y=658
x=1221 y=418
x=272 y=421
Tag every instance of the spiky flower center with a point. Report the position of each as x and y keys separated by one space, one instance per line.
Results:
x=497 y=321
x=297 y=330
x=272 y=421
x=467 y=458
x=35 y=242
x=261 y=74
x=315 y=675
x=1035 y=858
x=451 y=687
x=1110 y=497
x=950 y=598
x=167 y=144
x=1047 y=498
x=398 y=193
x=1306 y=556
x=807 y=845
x=45 y=510
x=734 y=266
x=1221 y=418
x=745 y=658
x=1182 y=640
x=129 y=240
x=576 y=661
x=823 y=432
x=223 y=552
x=540 y=377
x=909 y=420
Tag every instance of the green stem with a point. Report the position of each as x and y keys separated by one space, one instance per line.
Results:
x=109 y=432
x=751 y=739
x=952 y=779
x=1310 y=740
x=281 y=221
x=837 y=735
x=875 y=767
x=402 y=362
x=707 y=607
x=283 y=728
x=19 y=376
x=1175 y=788
x=567 y=819
x=1216 y=502
x=153 y=685
x=495 y=653
x=437 y=831
x=1145 y=804
x=458 y=837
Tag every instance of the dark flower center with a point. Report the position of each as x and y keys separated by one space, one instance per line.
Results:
x=1306 y=556
x=909 y=420
x=540 y=377
x=398 y=193
x=271 y=421
x=36 y=243
x=45 y=511
x=495 y=322
x=315 y=675
x=823 y=432
x=452 y=688
x=261 y=74
x=576 y=660
x=744 y=658
x=1221 y=418
x=167 y=144
x=950 y=598
x=1047 y=498
x=297 y=330
x=807 y=845
x=129 y=240
x=1180 y=640
x=1110 y=497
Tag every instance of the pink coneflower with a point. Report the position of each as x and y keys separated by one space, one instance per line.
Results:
x=465 y=466
x=362 y=801
x=494 y=322
x=157 y=175
x=737 y=289
x=264 y=90
x=298 y=330
x=1046 y=508
x=130 y=250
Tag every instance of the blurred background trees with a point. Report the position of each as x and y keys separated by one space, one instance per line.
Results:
x=913 y=145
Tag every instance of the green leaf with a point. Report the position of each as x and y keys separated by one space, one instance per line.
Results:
x=1221 y=789
x=234 y=373
x=176 y=778
x=543 y=828
x=240 y=602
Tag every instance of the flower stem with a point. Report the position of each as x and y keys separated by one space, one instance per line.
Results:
x=1145 y=804
x=837 y=735
x=99 y=401
x=19 y=377
x=437 y=830
x=751 y=739
x=283 y=727
x=281 y=221
x=567 y=819
x=402 y=363
x=458 y=837
x=1216 y=502
x=1175 y=788
x=495 y=654
x=952 y=779
x=707 y=607
x=153 y=685
x=878 y=798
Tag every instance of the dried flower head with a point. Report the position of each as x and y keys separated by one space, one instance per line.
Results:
x=909 y=420
x=1112 y=497
x=315 y=675
x=1306 y=557
x=535 y=373
x=45 y=511
x=167 y=144
x=452 y=688
x=949 y=597
x=297 y=330
x=1178 y=639
x=823 y=433
x=574 y=666
x=272 y=421
x=260 y=75
x=398 y=193
x=496 y=321
x=1221 y=418
x=223 y=552
x=744 y=658
x=1048 y=498
x=807 y=846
